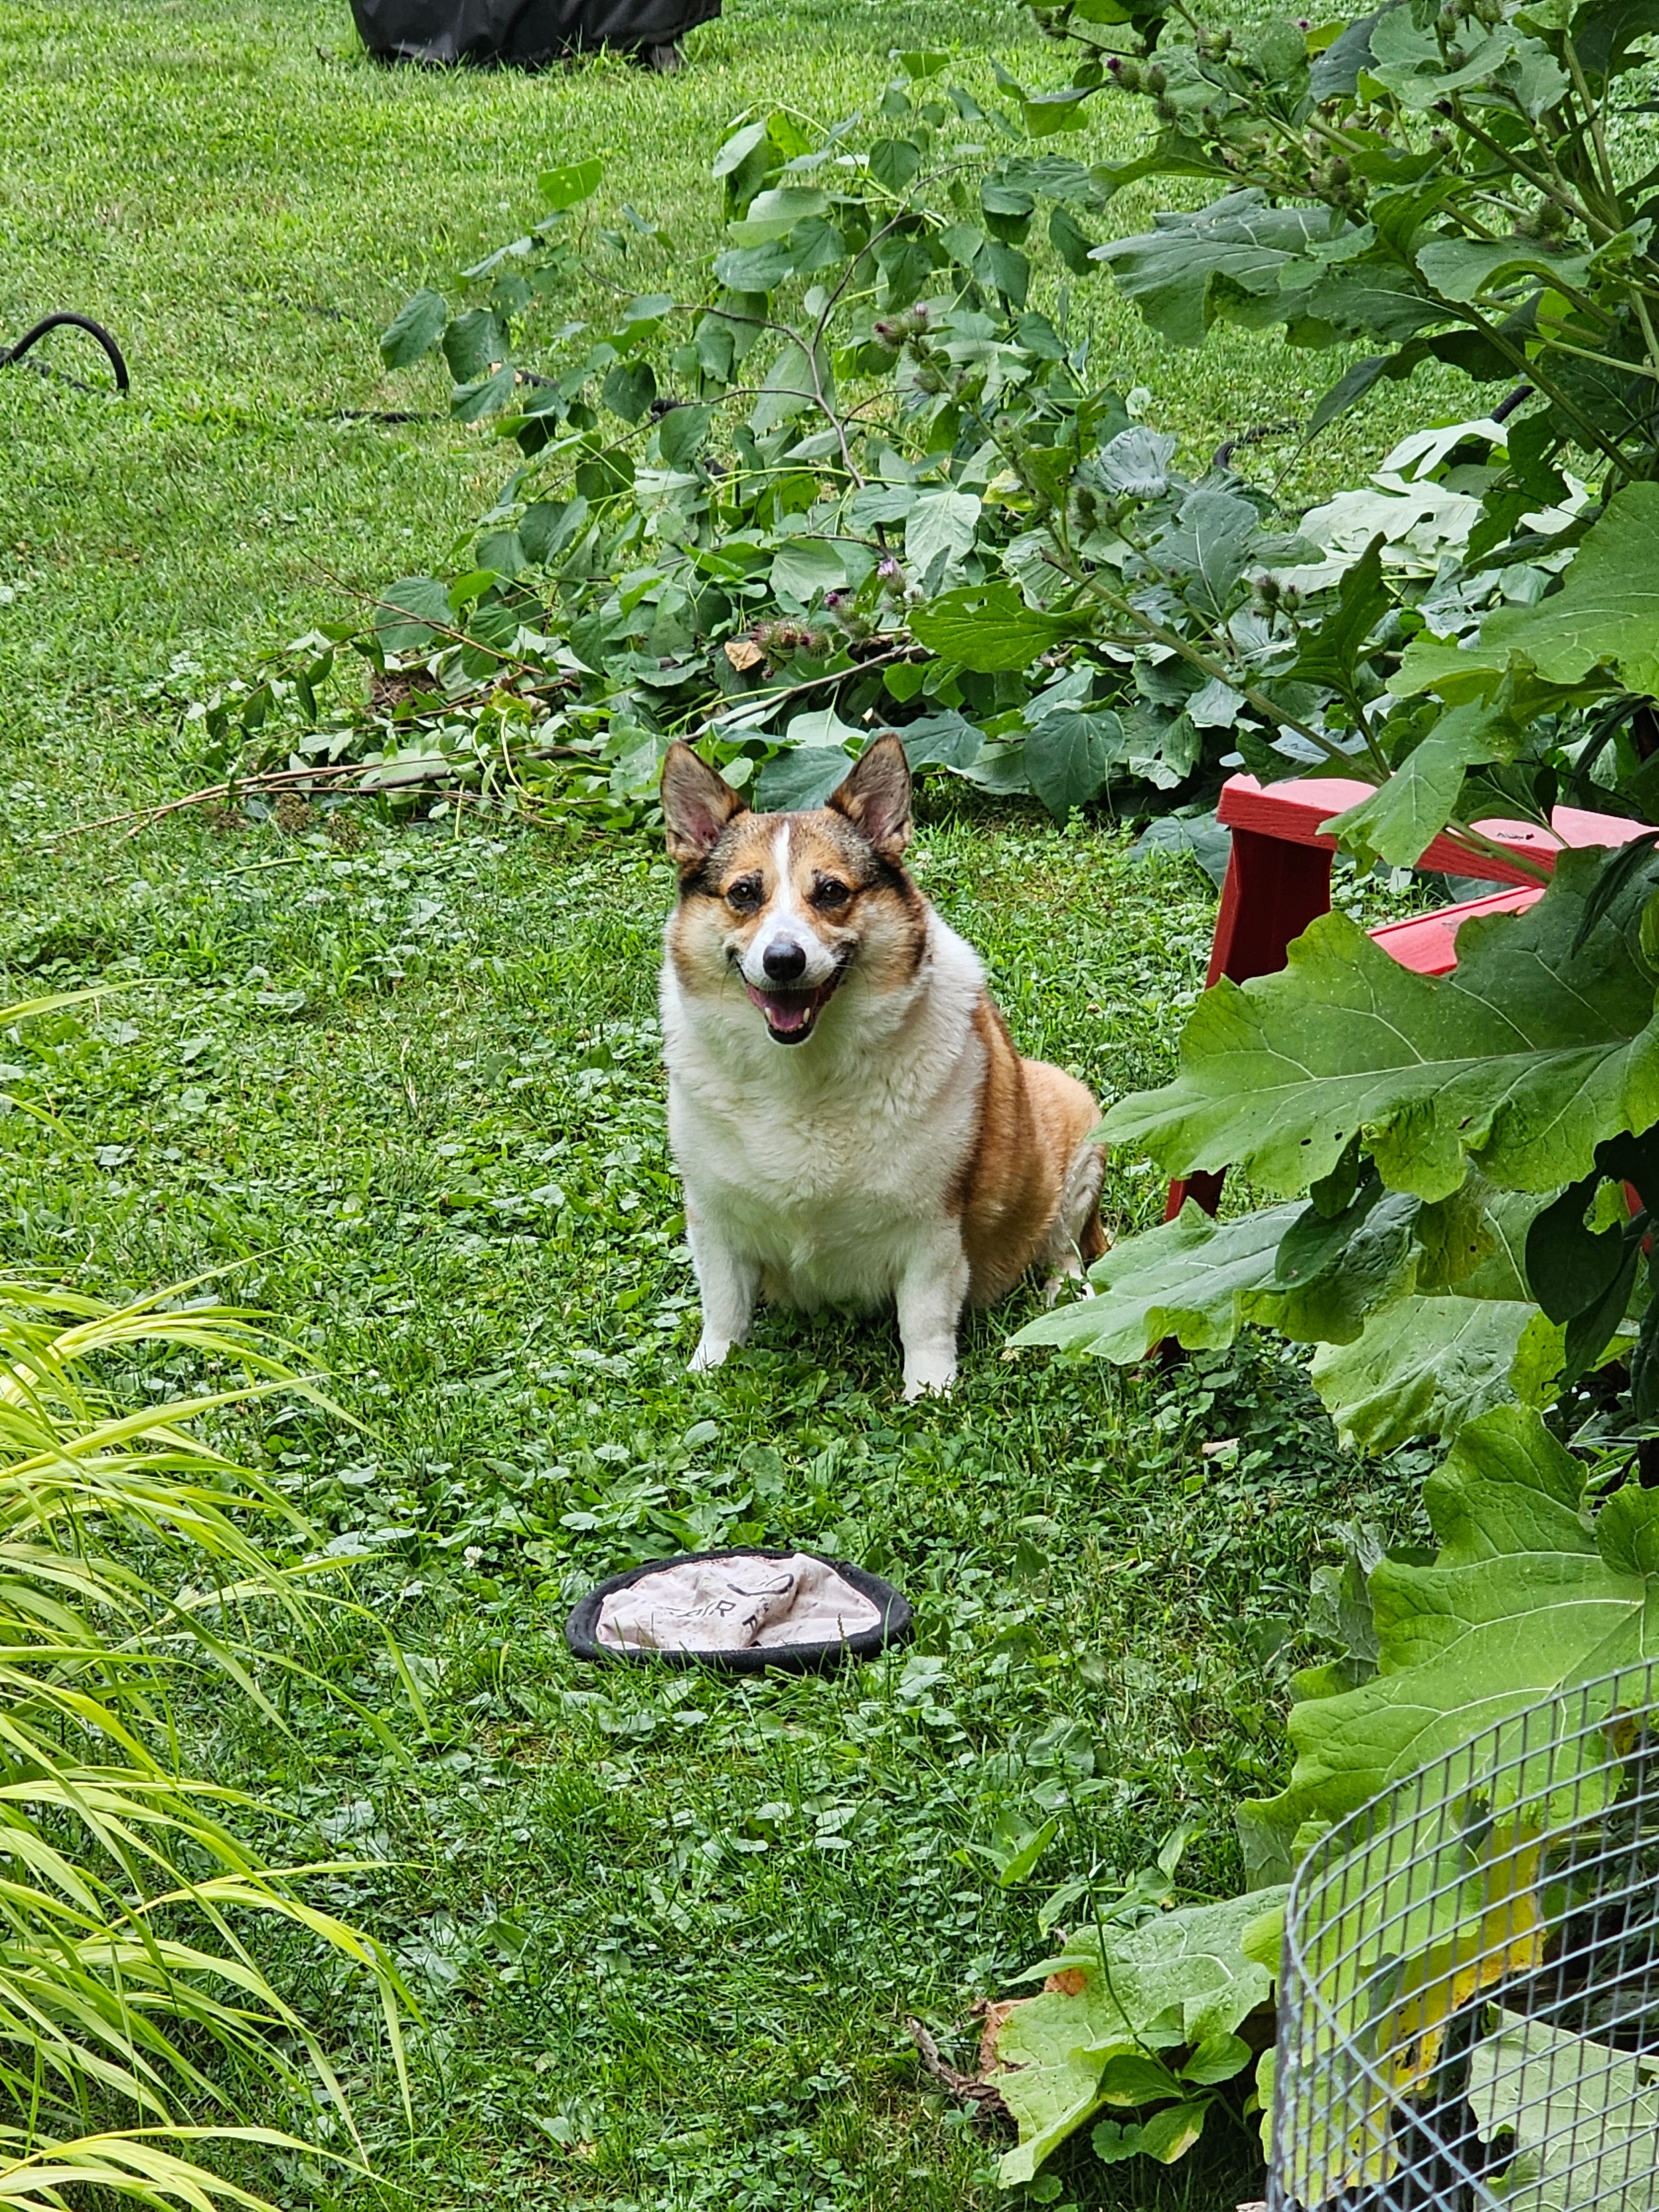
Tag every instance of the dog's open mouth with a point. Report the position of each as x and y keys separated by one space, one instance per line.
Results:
x=791 y=1016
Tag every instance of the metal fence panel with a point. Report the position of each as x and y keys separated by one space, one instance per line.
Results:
x=1469 y=1995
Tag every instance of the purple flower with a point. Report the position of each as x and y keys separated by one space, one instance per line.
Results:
x=887 y=568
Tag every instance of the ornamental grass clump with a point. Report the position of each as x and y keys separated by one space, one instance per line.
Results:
x=131 y=1561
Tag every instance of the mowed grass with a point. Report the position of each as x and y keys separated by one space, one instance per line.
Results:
x=403 y=1082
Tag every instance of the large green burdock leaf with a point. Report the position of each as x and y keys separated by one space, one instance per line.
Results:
x=1403 y=817
x=1605 y=615
x=1527 y=1596
x=1224 y=260
x=1583 y=2117
x=1426 y=1366
x=1522 y=1060
x=1176 y=1980
x=1199 y=1280
x=987 y=627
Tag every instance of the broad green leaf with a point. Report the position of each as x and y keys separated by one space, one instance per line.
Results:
x=1522 y=1060
x=1335 y=73
x=1527 y=1597
x=1207 y=545
x=1426 y=1366
x=1218 y=2058
x=893 y=162
x=986 y=627
x=1329 y=655
x=1200 y=1281
x=737 y=149
x=629 y=389
x=1070 y=241
x=551 y=526
x=1226 y=258
x=1471 y=268
x=474 y=344
x=1130 y=2079
x=945 y=740
x=941 y=522
x=414 y=330
x=1583 y=2117
x=802 y=567
x=803 y=777
x=1605 y=615
x=568 y=186
x=1370 y=298
x=680 y=432
x=1474 y=1243
x=1169 y=2135
x=1603 y=31
x=1179 y=1980
x=1067 y=756
x=412 y=612
x=774 y=214
x=1403 y=816
x=1137 y=462
x=789 y=387
x=755 y=268
x=1405 y=57
x=471 y=403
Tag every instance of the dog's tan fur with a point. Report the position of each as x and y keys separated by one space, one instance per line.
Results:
x=865 y=1129
x=1033 y=1121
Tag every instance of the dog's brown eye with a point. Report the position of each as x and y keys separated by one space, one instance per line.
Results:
x=828 y=891
x=744 y=894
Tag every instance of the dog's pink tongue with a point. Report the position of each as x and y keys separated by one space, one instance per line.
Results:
x=786 y=1018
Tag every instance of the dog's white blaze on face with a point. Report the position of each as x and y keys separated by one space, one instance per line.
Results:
x=785 y=947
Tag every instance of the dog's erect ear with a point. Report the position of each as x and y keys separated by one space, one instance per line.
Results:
x=698 y=803
x=875 y=797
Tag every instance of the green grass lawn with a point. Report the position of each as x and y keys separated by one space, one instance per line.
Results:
x=664 y=1930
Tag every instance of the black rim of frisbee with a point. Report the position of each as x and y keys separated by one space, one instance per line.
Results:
x=581 y=1630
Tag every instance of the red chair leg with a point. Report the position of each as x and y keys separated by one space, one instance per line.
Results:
x=1273 y=890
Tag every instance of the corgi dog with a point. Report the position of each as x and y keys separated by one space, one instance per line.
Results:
x=845 y=1109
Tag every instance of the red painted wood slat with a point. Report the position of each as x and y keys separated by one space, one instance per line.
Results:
x=1279 y=880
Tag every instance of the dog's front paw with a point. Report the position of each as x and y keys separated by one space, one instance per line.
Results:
x=710 y=1353
x=929 y=1374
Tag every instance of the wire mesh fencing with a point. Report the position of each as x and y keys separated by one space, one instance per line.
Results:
x=1469 y=1999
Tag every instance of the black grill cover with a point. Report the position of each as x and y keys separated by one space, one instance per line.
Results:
x=524 y=31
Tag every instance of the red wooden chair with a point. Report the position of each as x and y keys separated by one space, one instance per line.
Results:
x=1279 y=880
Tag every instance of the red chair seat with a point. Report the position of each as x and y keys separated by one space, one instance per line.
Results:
x=1279 y=880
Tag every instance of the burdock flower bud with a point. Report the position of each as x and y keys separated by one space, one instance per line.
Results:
x=1156 y=79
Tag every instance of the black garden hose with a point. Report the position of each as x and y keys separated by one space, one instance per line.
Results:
x=116 y=359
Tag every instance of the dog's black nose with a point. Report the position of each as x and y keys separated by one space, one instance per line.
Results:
x=783 y=963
